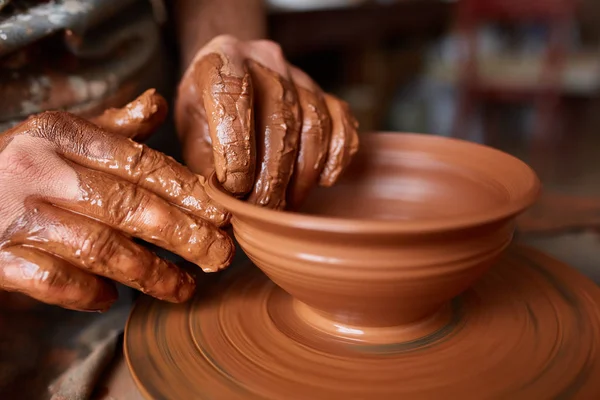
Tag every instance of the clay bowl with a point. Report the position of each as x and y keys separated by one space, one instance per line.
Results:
x=379 y=257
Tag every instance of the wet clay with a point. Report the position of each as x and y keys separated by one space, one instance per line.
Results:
x=138 y=119
x=414 y=301
x=413 y=209
x=313 y=147
x=278 y=113
x=87 y=193
x=529 y=329
x=221 y=106
x=344 y=140
x=245 y=113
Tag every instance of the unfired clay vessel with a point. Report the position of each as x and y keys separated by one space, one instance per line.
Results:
x=381 y=292
x=419 y=219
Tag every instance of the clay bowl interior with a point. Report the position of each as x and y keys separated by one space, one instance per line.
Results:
x=378 y=257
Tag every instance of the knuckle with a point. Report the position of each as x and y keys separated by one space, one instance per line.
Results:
x=222 y=44
x=125 y=203
x=138 y=268
x=99 y=247
x=115 y=204
x=61 y=128
x=272 y=46
x=49 y=124
x=142 y=162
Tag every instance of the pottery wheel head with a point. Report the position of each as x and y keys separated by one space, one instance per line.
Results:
x=529 y=329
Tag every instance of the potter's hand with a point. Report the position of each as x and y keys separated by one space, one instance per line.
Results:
x=72 y=198
x=138 y=119
x=265 y=127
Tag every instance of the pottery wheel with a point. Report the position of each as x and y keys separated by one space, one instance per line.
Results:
x=529 y=329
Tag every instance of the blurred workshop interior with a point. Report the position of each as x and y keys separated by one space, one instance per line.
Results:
x=523 y=77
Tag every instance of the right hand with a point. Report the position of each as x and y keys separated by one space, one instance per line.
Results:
x=265 y=127
x=73 y=196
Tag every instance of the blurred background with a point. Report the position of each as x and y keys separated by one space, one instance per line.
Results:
x=522 y=76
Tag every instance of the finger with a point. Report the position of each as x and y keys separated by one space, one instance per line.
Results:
x=267 y=53
x=138 y=119
x=192 y=129
x=140 y=213
x=85 y=144
x=52 y=280
x=99 y=249
x=277 y=122
x=278 y=131
x=314 y=139
x=344 y=140
x=215 y=100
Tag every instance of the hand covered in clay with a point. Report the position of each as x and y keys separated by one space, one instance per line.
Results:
x=267 y=129
x=137 y=120
x=74 y=195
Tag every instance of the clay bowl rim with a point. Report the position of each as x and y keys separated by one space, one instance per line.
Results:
x=297 y=220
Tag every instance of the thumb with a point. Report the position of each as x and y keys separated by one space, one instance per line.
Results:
x=138 y=119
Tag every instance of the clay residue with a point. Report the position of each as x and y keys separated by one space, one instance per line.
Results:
x=138 y=119
x=278 y=132
x=246 y=114
x=87 y=193
x=228 y=102
x=522 y=335
x=313 y=148
x=344 y=140
x=131 y=161
x=215 y=120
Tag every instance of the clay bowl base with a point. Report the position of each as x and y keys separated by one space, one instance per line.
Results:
x=529 y=329
x=320 y=325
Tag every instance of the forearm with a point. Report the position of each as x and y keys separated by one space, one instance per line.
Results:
x=198 y=21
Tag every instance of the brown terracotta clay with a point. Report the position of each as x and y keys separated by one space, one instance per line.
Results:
x=529 y=329
x=138 y=119
x=269 y=133
x=379 y=256
x=374 y=292
x=88 y=193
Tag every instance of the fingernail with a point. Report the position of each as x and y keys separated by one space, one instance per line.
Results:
x=220 y=253
x=237 y=183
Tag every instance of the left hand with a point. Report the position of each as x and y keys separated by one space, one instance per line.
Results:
x=264 y=126
x=136 y=120
x=75 y=195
